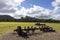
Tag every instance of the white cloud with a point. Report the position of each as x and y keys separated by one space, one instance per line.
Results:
x=56 y=10
x=14 y=2
x=9 y=7
x=56 y=3
x=38 y=11
x=35 y=11
x=56 y=16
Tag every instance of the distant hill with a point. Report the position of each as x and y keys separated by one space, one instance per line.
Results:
x=7 y=18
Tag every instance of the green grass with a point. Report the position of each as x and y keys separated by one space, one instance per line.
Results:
x=9 y=26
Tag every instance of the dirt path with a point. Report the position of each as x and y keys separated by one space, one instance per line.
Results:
x=37 y=36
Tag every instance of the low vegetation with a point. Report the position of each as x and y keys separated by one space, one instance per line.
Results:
x=9 y=26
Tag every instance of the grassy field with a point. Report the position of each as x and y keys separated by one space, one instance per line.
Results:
x=9 y=26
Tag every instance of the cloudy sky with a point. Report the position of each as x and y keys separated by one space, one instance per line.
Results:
x=35 y=8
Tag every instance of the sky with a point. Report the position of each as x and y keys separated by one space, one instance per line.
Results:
x=42 y=9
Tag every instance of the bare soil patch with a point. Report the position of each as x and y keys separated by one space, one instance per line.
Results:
x=36 y=36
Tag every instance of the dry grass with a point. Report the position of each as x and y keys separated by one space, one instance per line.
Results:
x=9 y=26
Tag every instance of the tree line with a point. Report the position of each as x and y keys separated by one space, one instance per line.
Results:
x=26 y=19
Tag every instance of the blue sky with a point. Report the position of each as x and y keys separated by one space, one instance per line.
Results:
x=44 y=9
x=42 y=3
